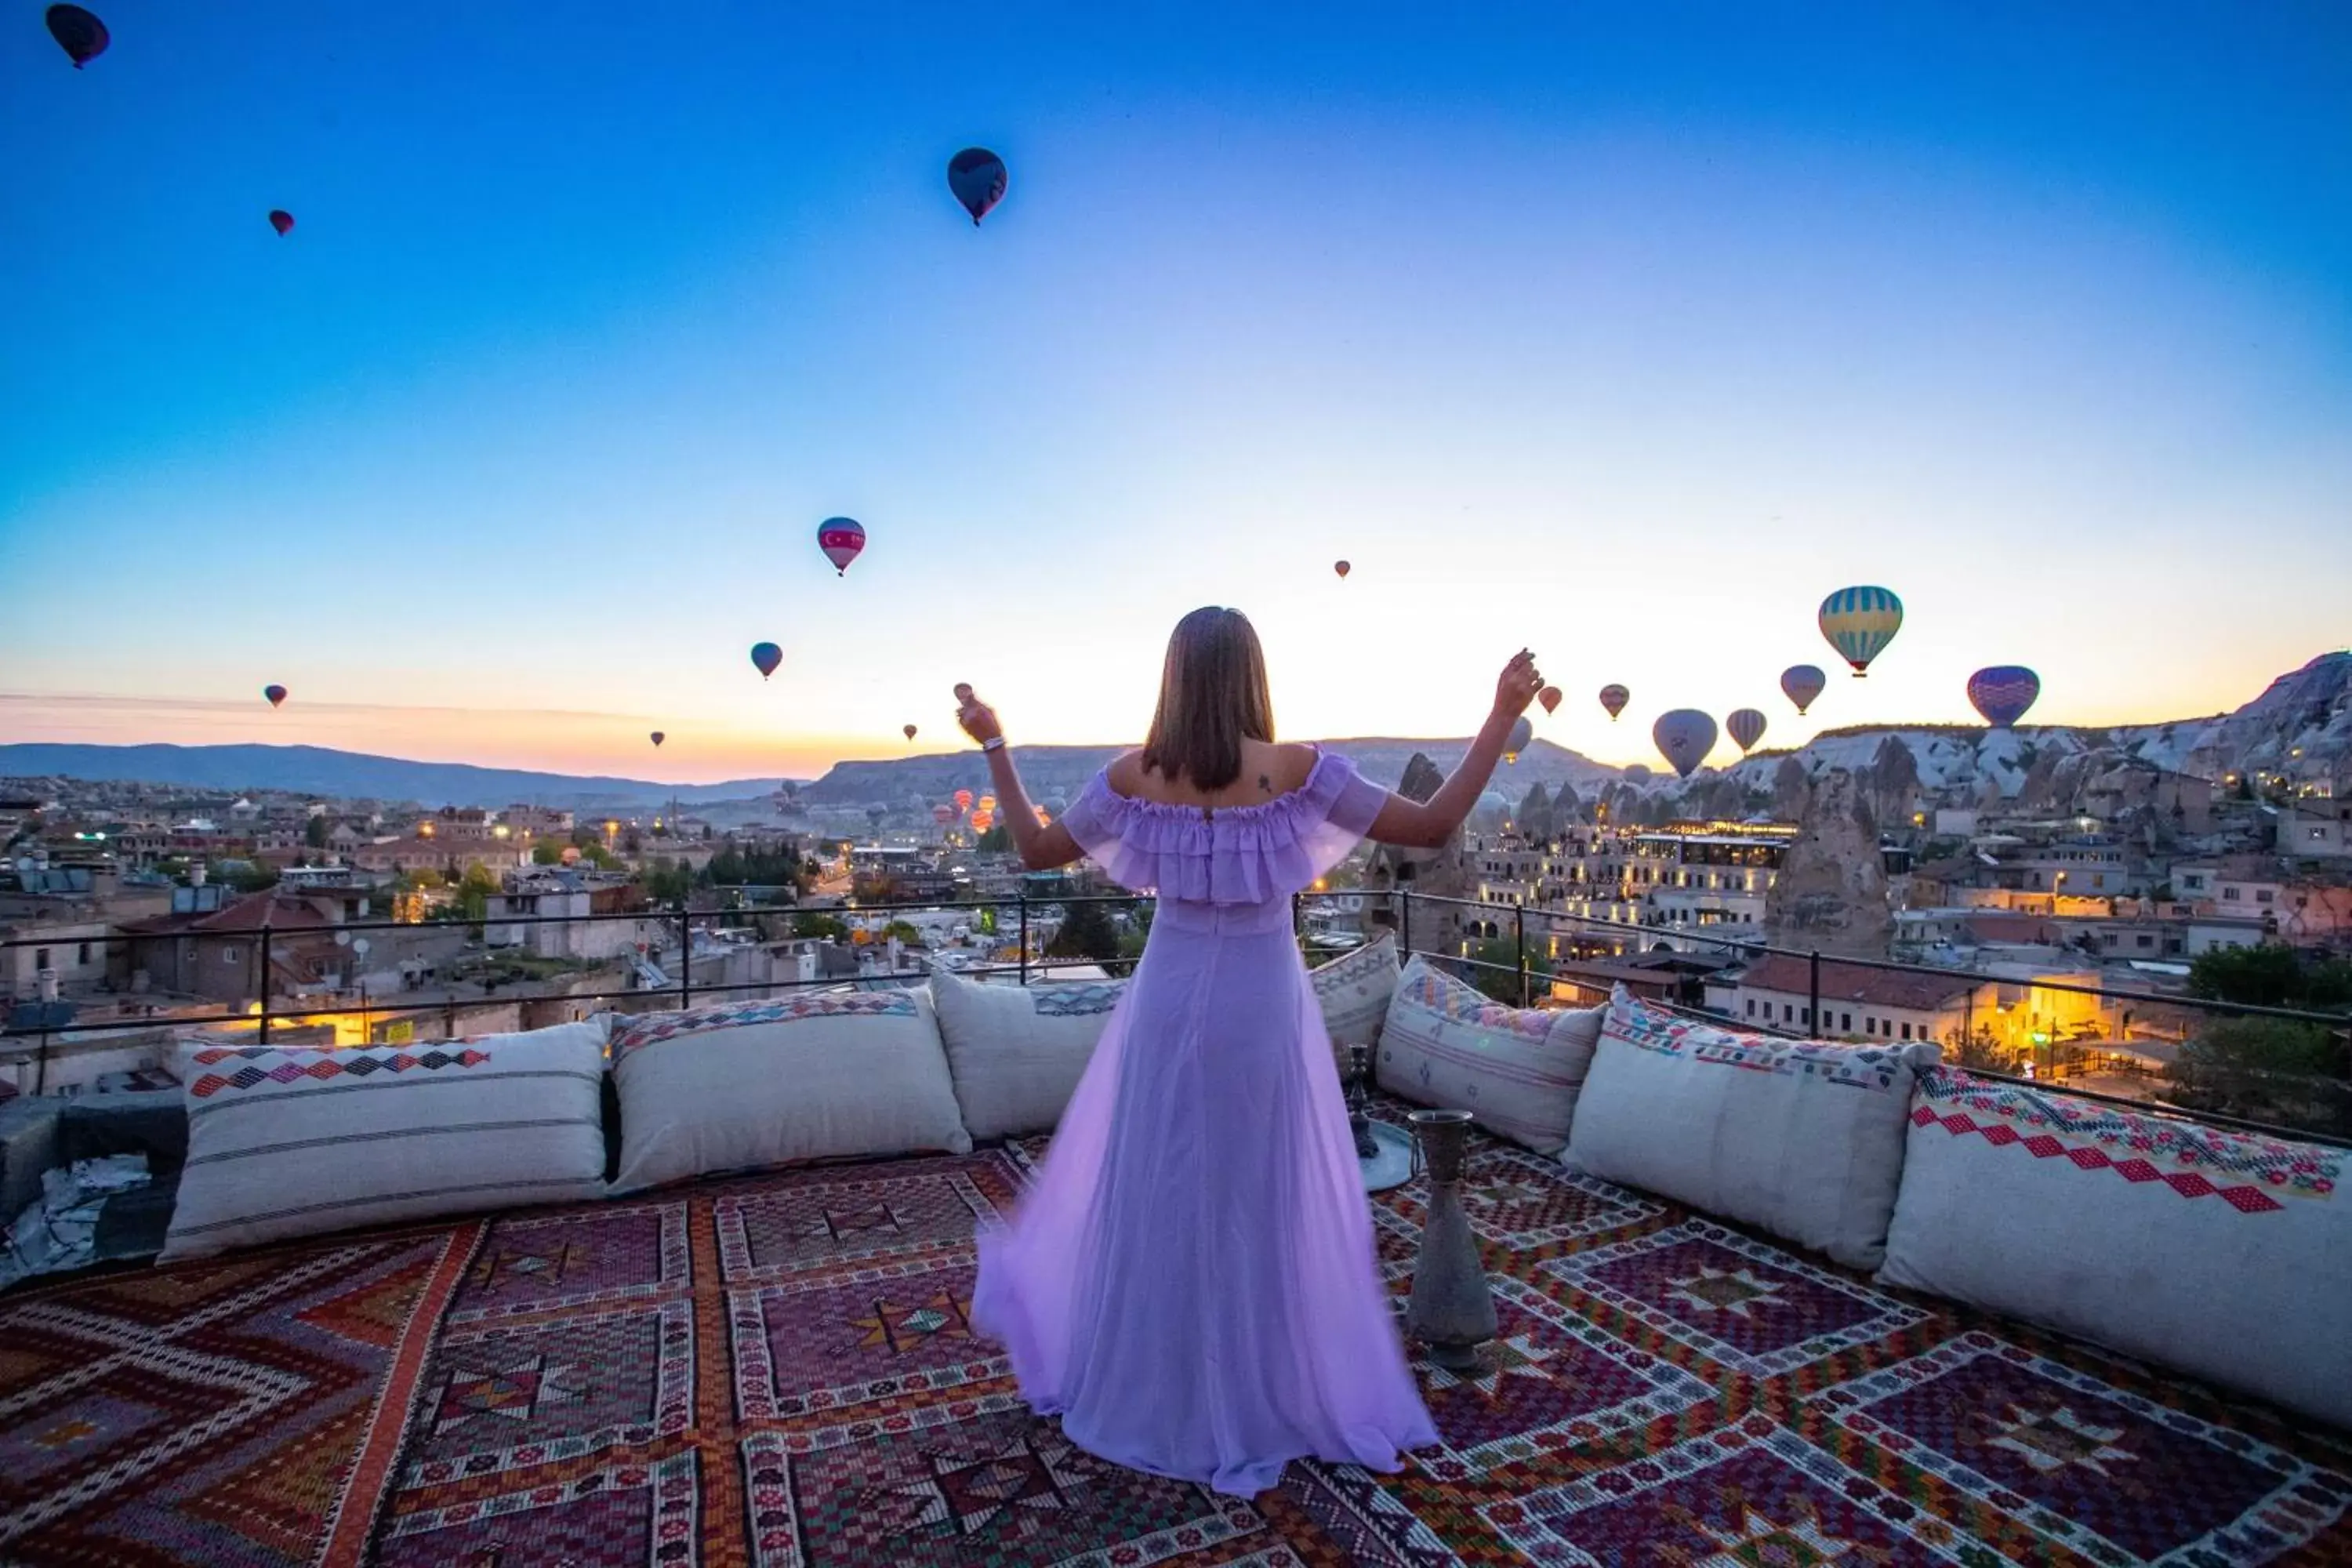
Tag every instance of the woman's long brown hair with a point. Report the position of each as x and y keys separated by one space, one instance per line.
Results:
x=1213 y=697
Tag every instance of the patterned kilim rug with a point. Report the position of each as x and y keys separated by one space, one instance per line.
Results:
x=779 y=1371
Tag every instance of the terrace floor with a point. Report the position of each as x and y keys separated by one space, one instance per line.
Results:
x=778 y=1370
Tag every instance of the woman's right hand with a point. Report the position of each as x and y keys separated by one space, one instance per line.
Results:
x=978 y=718
x=1518 y=685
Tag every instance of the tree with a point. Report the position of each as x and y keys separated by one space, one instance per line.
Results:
x=2265 y=1069
x=1497 y=971
x=314 y=833
x=1982 y=1051
x=905 y=932
x=245 y=876
x=2271 y=976
x=997 y=840
x=813 y=924
x=474 y=890
x=547 y=852
x=1087 y=932
x=667 y=882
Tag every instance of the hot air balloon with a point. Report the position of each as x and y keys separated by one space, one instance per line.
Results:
x=767 y=656
x=2002 y=692
x=1746 y=728
x=659 y=737
x=988 y=803
x=1549 y=698
x=1517 y=740
x=977 y=177
x=910 y=731
x=82 y=36
x=1860 y=623
x=943 y=815
x=1801 y=683
x=963 y=800
x=1637 y=772
x=1614 y=699
x=277 y=695
x=1056 y=804
x=840 y=538
x=1342 y=568
x=282 y=221
x=1683 y=738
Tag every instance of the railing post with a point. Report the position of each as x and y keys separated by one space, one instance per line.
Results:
x=1404 y=922
x=1023 y=897
x=265 y=985
x=1813 y=990
x=1519 y=937
x=685 y=958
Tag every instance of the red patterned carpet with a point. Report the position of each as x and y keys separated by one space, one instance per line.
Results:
x=778 y=1370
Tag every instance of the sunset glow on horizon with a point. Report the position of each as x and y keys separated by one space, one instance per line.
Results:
x=1623 y=341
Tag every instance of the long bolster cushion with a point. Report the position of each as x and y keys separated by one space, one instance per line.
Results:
x=1016 y=1051
x=1517 y=1071
x=2225 y=1256
x=1802 y=1138
x=286 y=1142
x=809 y=1077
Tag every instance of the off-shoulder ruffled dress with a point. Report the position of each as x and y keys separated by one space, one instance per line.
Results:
x=1189 y=1283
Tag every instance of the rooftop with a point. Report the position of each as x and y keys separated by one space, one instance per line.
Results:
x=1906 y=990
x=779 y=1370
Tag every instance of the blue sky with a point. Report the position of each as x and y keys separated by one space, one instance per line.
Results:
x=1624 y=332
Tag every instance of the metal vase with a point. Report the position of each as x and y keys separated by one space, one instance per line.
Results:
x=1360 y=1113
x=1452 y=1310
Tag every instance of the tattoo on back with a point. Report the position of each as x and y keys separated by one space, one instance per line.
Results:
x=1264 y=784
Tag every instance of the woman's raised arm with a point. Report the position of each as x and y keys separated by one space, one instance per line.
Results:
x=1426 y=824
x=1042 y=849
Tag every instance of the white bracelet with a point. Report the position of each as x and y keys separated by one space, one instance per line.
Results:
x=993 y=744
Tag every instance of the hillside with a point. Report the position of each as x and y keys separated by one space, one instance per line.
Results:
x=322 y=771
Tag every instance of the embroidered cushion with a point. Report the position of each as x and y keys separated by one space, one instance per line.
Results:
x=2223 y=1255
x=1802 y=1138
x=286 y=1142
x=1016 y=1051
x=1515 y=1069
x=1354 y=991
x=807 y=1076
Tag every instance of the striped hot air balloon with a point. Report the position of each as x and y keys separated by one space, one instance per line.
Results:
x=2002 y=692
x=1860 y=623
x=1746 y=726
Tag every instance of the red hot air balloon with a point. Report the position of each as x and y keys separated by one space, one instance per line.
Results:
x=910 y=731
x=282 y=221
x=841 y=539
x=1801 y=683
x=1342 y=568
x=2002 y=692
x=659 y=737
x=978 y=178
x=1683 y=738
x=943 y=815
x=1746 y=728
x=277 y=695
x=82 y=36
x=768 y=656
x=1614 y=699
x=1549 y=698
x=963 y=800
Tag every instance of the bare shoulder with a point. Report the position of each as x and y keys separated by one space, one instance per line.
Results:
x=1125 y=772
x=1276 y=770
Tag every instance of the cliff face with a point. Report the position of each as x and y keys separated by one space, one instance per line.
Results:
x=1831 y=894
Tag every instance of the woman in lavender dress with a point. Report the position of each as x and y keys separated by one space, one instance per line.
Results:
x=1190 y=1284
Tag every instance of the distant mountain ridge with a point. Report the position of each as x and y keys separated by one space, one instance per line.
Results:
x=2302 y=721
x=323 y=771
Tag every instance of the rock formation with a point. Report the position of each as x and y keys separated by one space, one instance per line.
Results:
x=1831 y=893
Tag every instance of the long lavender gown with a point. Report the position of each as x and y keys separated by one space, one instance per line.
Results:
x=1190 y=1284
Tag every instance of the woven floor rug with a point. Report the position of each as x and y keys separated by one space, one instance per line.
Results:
x=778 y=1370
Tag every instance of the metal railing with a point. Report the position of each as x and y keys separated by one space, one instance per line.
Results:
x=1390 y=908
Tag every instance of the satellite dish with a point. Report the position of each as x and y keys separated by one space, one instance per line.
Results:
x=343 y=939
x=359 y=945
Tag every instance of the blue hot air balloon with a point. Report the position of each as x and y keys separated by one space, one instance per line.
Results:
x=1801 y=683
x=977 y=177
x=767 y=656
x=81 y=34
x=2002 y=692
x=1683 y=738
x=1860 y=623
x=1746 y=726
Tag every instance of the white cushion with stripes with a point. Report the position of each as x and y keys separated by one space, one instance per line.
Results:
x=296 y=1142
x=1517 y=1071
